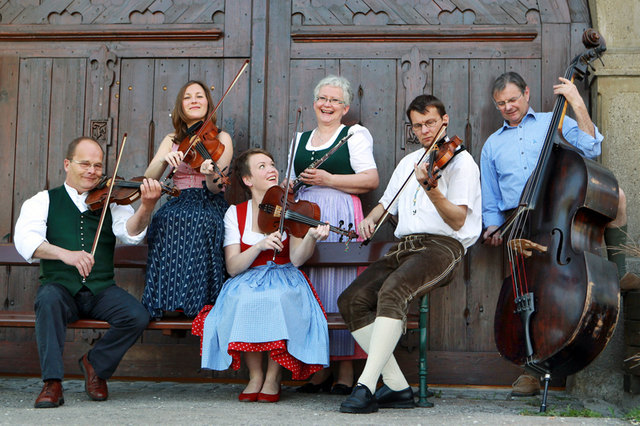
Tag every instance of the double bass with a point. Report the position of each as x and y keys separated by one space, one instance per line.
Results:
x=558 y=309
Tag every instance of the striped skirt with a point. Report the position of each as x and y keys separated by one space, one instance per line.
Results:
x=335 y=206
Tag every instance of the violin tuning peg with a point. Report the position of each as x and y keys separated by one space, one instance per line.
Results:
x=340 y=238
x=340 y=223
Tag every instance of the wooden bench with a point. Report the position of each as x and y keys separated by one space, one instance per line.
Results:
x=326 y=254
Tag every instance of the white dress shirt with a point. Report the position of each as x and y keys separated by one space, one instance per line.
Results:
x=460 y=184
x=31 y=227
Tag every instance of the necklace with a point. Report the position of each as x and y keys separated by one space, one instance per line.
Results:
x=321 y=141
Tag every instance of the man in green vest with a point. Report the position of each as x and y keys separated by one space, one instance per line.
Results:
x=57 y=227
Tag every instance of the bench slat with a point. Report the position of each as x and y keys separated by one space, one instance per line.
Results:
x=28 y=319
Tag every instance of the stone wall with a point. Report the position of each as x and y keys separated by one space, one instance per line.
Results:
x=616 y=101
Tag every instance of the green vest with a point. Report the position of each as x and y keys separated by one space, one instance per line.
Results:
x=337 y=164
x=72 y=230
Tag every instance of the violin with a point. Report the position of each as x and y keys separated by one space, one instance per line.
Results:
x=205 y=145
x=124 y=191
x=298 y=218
x=439 y=158
x=427 y=152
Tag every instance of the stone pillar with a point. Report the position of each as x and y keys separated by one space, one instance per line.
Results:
x=616 y=100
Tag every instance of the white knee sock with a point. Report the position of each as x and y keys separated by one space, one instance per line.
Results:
x=385 y=333
x=391 y=373
x=363 y=336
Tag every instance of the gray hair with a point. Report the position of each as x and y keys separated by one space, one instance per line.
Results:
x=508 y=77
x=335 y=81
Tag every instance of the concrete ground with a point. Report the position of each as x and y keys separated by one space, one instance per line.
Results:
x=142 y=402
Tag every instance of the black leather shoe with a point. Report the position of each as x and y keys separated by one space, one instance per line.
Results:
x=341 y=389
x=360 y=401
x=312 y=388
x=388 y=398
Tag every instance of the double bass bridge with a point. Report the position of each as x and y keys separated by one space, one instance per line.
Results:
x=525 y=247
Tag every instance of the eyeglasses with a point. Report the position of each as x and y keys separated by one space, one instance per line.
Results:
x=503 y=104
x=430 y=124
x=87 y=165
x=331 y=101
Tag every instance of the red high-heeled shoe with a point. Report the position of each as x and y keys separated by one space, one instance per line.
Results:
x=248 y=397
x=266 y=397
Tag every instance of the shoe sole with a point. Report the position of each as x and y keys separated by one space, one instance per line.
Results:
x=398 y=404
x=523 y=394
x=353 y=410
x=86 y=378
x=49 y=404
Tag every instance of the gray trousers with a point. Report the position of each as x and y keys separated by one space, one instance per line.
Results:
x=415 y=265
x=55 y=307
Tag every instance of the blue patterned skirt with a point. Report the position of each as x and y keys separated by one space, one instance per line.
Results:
x=185 y=267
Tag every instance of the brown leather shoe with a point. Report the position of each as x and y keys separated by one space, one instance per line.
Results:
x=525 y=385
x=50 y=395
x=629 y=282
x=94 y=386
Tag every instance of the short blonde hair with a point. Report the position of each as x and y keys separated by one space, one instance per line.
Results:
x=335 y=81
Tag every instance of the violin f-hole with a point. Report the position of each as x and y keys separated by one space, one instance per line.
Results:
x=559 y=245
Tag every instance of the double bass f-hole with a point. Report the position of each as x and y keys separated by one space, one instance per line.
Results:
x=560 y=257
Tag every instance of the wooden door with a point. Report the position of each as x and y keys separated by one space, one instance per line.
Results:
x=393 y=51
x=70 y=68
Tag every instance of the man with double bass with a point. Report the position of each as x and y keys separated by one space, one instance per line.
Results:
x=438 y=219
x=57 y=227
x=510 y=155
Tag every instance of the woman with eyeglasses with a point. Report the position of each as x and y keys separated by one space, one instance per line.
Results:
x=185 y=267
x=335 y=186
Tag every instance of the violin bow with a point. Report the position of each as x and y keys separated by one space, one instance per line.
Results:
x=286 y=179
x=210 y=116
x=106 y=203
x=385 y=215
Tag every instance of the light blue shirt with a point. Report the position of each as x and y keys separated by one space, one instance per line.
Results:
x=510 y=155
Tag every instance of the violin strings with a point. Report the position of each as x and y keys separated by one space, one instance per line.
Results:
x=312 y=222
x=268 y=208
x=202 y=150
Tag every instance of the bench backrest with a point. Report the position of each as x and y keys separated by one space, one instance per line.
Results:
x=326 y=254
